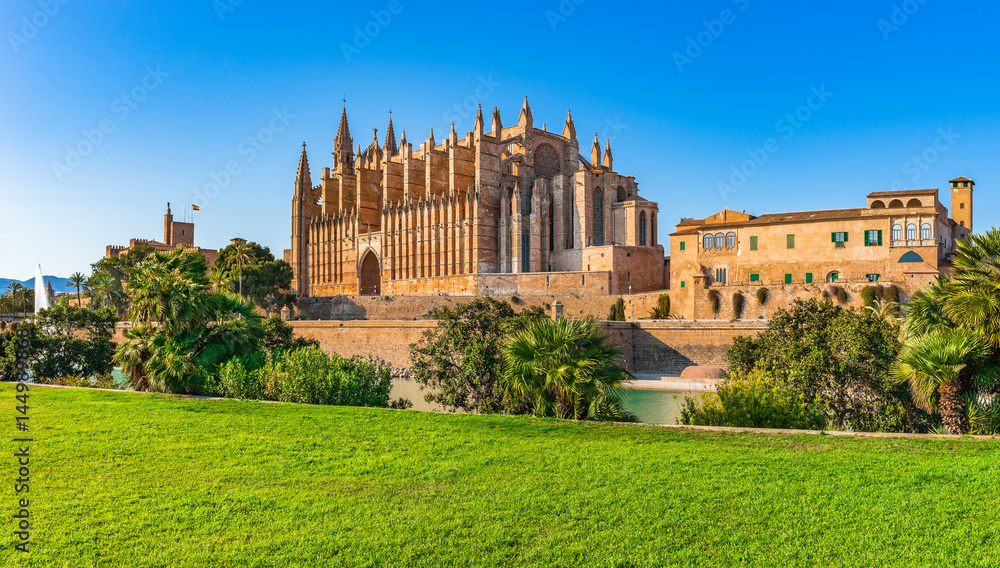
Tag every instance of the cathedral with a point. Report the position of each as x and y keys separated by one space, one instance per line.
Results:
x=516 y=210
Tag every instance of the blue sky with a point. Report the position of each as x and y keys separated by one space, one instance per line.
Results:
x=687 y=91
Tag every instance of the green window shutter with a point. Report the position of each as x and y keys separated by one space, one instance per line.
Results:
x=880 y=237
x=845 y=236
x=868 y=242
x=682 y=284
x=682 y=245
x=788 y=279
x=755 y=277
x=753 y=243
x=833 y=237
x=809 y=277
x=791 y=241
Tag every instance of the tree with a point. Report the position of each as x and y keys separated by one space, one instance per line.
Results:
x=77 y=280
x=242 y=257
x=942 y=364
x=662 y=308
x=460 y=362
x=278 y=335
x=568 y=369
x=973 y=293
x=617 y=312
x=267 y=285
x=108 y=279
x=838 y=356
x=181 y=332
x=219 y=278
x=73 y=341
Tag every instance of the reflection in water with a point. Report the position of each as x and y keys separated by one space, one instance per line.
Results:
x=651 y=406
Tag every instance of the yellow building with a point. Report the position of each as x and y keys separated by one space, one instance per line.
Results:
x=175 y=234
x=902 y=238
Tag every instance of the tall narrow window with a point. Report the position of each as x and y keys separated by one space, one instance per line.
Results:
x=925 y=231
x=730 y=240
x=790 y=241
x=897 y=232
x=526 y=252
x=652 y=229
x=753 y=243
x=911 y=232
x=642 y=229
x=552 y=226
x=709 y=242
x=598 y=217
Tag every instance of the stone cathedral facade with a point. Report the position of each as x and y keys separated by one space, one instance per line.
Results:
x=515 y=210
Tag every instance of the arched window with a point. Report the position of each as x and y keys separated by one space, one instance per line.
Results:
x=878 y=204
x=914 y=203
x=895 y=204
x=720 y=240
x=721 y=275
x=652 y=232
x=598 y=217
x=833 y=276
x=897 y=232
x=642 y=229
x=709 y=242
x=911 y=232
x=925 y=231
x=731 y=240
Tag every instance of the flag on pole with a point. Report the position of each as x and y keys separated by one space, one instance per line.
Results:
x=195 y=208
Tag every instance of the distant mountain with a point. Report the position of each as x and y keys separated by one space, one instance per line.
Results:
x=58 y=284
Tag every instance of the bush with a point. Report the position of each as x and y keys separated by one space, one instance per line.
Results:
x=662 y=308
x=278 y=334
x=839 y=293
x=94 y=382
x=892 y=293
x=868 y=295
x=716 y=300
x=307 y=375
x=754 y=401
x=617 y=311
x=762 y=296
x=738 y=302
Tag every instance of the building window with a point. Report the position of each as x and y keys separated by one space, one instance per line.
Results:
x=682 y=283
x=788 y=279
x=720 y=275
x=925 y=231
x=720 y=240
x=873 y=277
x=961 y=206
x=833 y=276
x=954 y=184
x=525 y=252
x=652 y=227
x=753 y=243
x=755 y=277
x=873 y=238
x=598 y=217
x=731 y=240
x=709 y=241
x=809 y=277
x=897 y=232
x=642 y=229
x=682 y=245
x=839 y=239
x=965 y=184
x=911 y=232
x=791 y=241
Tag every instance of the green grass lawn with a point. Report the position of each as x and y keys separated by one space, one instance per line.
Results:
x=124 y=479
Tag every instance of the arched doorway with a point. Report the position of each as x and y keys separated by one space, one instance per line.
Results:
x=370 y=276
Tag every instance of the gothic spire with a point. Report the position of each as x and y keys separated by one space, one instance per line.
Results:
x=430 y=141
x=525 y=118
x=607 y=155
x=478 y=128
x=497 y=126
x=402 y=140
x=343 y=144
x=569 y=129
x=595 y=152
x=303 y=179
x=390 y=147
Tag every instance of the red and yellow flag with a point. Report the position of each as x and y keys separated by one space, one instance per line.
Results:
x=196 y=208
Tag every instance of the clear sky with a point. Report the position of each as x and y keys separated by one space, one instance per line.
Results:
x=110 y=109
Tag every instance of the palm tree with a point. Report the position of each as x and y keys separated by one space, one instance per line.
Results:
x=926 y=311
x=242 y=255
x=18 y=295
x=77 y=280
x=885 y=311
x=219 y=279
x=974 y=289
x=566 y=368
x=104 y=290
x=938 y=365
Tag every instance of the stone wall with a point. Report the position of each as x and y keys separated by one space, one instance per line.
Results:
x=656 y=347
x=346 y=308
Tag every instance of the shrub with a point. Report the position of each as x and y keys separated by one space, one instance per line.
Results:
x=716 y=300
x=95 y=382
x=617 y=311
x=892 y=293
x=754 y=400
x=278 y=334
x=738 y=302
x=868 y=296
x=308 y=375
x=762 y=296
x=839 y=293
x=662 y=308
